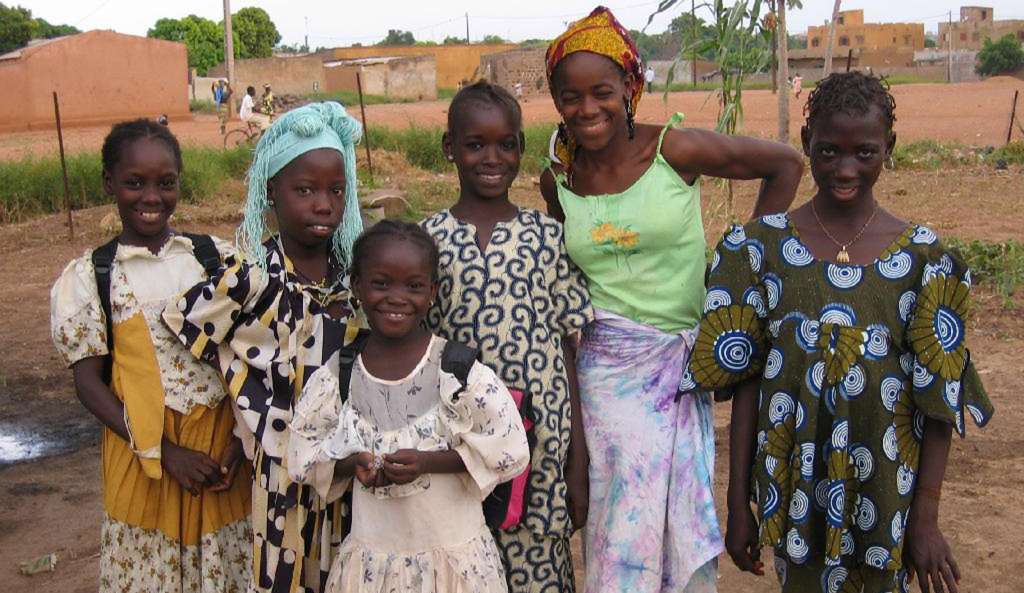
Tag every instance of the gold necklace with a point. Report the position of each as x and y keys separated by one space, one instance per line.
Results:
x=843 y=257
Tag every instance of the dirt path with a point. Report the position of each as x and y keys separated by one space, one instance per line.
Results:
x=974 y=113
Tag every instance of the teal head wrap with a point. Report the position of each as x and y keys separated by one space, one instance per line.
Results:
x=310 y=127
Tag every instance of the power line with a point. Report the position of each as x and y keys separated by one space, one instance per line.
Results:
x=92 y=12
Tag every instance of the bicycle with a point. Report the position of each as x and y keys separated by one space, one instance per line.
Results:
x=247 y=136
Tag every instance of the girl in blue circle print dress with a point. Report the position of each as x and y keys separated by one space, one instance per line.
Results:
x=838 y=330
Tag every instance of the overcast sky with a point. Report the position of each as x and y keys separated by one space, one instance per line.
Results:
x=343 y=22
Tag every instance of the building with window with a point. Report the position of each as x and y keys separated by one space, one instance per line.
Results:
x=853 y=33
x=976 y=24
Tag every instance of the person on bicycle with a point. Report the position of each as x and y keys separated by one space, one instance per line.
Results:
x=248 y=113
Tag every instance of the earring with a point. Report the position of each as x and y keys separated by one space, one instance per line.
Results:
x=630 y=123
x=889 y=163
x=563 y=134
x=270 y=203
x=450 y=157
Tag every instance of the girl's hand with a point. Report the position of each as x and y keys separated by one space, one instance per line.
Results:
x=741 y=540
x=192 y=469
x=230 y=461
x=405 y=465
x=925 y=551
x=365 y=470
x=577 y=484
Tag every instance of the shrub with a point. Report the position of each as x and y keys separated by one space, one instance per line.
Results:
x=1005 y=55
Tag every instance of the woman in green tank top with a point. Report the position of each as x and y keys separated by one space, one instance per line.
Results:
x=629 y=197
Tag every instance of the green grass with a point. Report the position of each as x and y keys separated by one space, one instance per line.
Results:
x=202 y=106
x=446 y=93
x=34 y=186
x=1000 y=265
x=351 y=98
x=709 y=85
x=932 y=155
x=1012 y=153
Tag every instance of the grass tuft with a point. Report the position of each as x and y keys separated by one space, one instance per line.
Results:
x=999 y=264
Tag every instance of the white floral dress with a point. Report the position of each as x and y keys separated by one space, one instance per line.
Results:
x=428 y=535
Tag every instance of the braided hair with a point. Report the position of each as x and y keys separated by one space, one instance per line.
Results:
x=482 y=91
x=851 y=93
x=394 y=230
x=124 y=133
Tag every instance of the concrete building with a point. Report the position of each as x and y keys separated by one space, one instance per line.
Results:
x=977 y=23
x=100 y=77
x=455 y=63
x=522 y=66
x=408 y=77
x=853 y=33
x=294 y=76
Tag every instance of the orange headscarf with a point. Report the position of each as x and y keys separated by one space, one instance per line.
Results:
x=599 y=33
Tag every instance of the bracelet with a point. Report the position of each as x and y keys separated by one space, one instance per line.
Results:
x=933 y=493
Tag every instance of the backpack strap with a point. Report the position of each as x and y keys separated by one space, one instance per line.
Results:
x=205 y=252
x=457 y=359
x=102 y=261
x=347 y=359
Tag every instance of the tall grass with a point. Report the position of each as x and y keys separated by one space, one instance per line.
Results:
x=34 y=186
x=1000 y=265
x=351 y=98
x=202 y=106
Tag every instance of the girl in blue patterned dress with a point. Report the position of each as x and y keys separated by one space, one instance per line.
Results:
x=838 y=330
x=508 y=288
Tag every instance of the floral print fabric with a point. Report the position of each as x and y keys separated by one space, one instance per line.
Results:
x=852 y=360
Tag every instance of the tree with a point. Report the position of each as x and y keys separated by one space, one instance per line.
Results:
x=997 y=57
x=202 y=37
x=454 y=40
x=45 y=30
x=831 y=38
x=16 y=27
x=255 y=33
x=396 y=37
x=493 y=40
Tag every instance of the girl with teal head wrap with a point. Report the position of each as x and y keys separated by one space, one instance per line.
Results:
x=311 y=127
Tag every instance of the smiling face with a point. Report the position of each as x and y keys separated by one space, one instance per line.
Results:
x=590 y=93
x=395 y=286
x=309 y=198
x=486 y=147
x=847 y=152
x=144 y=183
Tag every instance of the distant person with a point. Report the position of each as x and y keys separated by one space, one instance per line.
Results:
x=267 y=103
x=222 y=99
x=518 y=86
x=649 y=78
x=798 y=85
x=176 y=486
x=162 y=120
x=838 y=331
x=247 y=112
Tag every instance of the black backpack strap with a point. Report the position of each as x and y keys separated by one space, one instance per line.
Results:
x=102 y=261
x=205 y=252
x=457 y=359
x=347 y=359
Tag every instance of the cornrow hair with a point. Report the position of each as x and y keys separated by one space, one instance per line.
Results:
x=394 y=230
x=852 y=93
x=124 y=133
x=482 y=91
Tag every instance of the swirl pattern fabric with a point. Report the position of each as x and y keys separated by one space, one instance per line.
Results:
x=516 y=301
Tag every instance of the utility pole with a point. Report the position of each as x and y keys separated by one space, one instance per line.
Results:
x=782 y=35
x=306 y=44
x=831 y=38
x=693 y=59
x=467 y=28
x=229 y=55
x=775 y=46
x=949 y=49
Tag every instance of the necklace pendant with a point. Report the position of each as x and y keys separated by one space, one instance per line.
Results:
x=843 y=257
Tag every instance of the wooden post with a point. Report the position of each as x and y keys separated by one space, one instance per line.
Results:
x=229 y=56
x=849 y=58
x=1013 y=116
x=366 y=131
x=693 y=63
x=64 y=168
x=784 y=88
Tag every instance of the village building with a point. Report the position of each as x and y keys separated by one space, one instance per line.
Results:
x=853 y=33
x=977 y=23
x=455 y=64
x=100 y=77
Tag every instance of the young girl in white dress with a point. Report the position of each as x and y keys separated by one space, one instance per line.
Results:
x=425 y=446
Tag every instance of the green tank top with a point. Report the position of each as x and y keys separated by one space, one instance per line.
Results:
x=642 y=250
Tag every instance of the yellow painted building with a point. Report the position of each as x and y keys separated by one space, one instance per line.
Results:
x=455 y=63
x=977 y=23
x=853 y=33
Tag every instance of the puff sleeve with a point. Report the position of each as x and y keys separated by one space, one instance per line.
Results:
x=77 y=325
